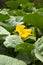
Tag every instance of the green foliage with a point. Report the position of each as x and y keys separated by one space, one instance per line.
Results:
x=39 y=49
x=39 y=3
x=23 y=56
x=12 y=4
x=12 y=41
x=4 y=17
x=3 y=31
x=11 y=22
x=25 y=47
x=20 y=4
x=5 y=60
x=27 y=50
x=22 y=45
x=30 y=39
x=35 y=19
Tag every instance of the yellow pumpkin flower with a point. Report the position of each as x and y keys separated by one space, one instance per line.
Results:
x=25 y=32
x=22 y=31
x=19 y=28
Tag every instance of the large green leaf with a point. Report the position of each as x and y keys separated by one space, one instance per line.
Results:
x=35 y=19
x=3 y=31
x=12 y=41
x=5 y=60
x=4 y=17
x=26 y=47
x=12 y=4
x=23 y=56
x=39 y=49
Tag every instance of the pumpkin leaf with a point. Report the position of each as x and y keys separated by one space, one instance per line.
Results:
x=5 y=60
x=12 y=41
x=3 y=31
x=39 y=49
